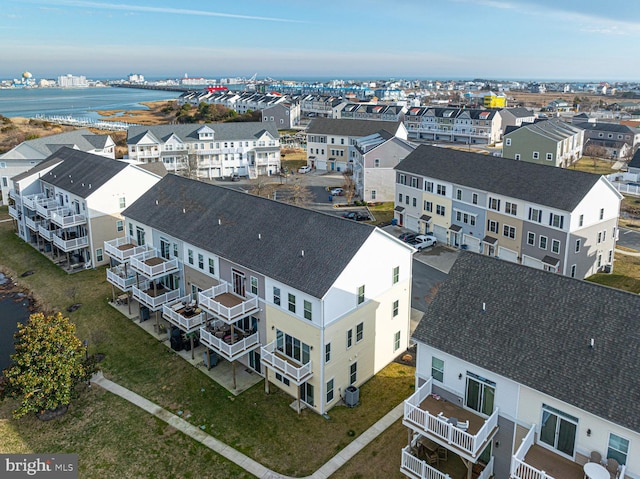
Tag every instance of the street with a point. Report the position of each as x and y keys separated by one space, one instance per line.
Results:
x=629 y=238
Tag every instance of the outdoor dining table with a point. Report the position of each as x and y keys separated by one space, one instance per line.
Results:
x=594 y=470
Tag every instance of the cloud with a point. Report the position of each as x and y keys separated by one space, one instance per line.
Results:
x=167 y=10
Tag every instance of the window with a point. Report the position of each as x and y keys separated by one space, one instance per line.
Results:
x=402 y=180
x=458 y=194
x=399 y=197
x=414 y=202
x=396 y=307
x=361 y=294
x=307 y=310
x=414 y=182
x=536 y=155
x=292 y=347
x=442 y=190
x=353 y=373
x=212 y=268
x=99 y=256
x=396 y=275
x=330 y=390
x=581 y=220
x=396 y=341
x=573 y=270
x=599 y=237
x=437 y=369
x=428 y=206
x=517 y=156
x=493 y=226
x=373 y=194
x=578 y=245
x=406 y=199
x=327 y=352
x=511 y=208
x=254 y=285
x=507 y=142
x=601 y=213
x=428 y=185
x=376 y=163
x=509 y=231
x=474 y=198
x=555 y=246
x=292 y=303
x=349 y=338
x=440 y=210
x=120 y=225
x=549 y=156
x=123 y=202
x=200 y=261
x=190 y=256
x=282 y=379
x=557 y=221
x=535 y=215
x=276 y=295
x=359 y=332
x=531 y=238
x=543 y=242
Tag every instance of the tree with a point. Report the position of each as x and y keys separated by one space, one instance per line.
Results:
x=594 y=151
x=262 y=188
x=349 y=186
x=48 y=363
x=190 y=167
x=297 y=194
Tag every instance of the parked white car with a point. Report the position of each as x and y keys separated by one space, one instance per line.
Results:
x=423 y=241
x=304 y=169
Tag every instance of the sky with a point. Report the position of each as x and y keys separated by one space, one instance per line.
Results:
x=492 y=39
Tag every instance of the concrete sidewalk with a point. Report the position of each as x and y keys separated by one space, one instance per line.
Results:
x=237 y=457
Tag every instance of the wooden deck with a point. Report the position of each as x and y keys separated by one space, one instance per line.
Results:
x=449 y=409
x=228 y=300
x=125 y=247
x=155 y=261
x=553 y=464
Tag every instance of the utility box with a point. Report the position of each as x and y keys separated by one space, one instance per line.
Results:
x=351 y=396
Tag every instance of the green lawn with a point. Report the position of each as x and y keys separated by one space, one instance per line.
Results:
x=262 y=426
x=383 y=212
x=625 y=276
x=594 y=165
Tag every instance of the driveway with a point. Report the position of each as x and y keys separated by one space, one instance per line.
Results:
x=629 y=238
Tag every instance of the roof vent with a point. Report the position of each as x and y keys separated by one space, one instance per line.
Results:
x=259 y=236
x=591 y=343
x=184 y=210
x=83 y=185
x=89 y=185
x=156 y=202
x=71 y=181
x=302 y=253
x=484 y=307
x=219 y=221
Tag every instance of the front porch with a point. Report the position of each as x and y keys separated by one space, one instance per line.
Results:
x=439 y=420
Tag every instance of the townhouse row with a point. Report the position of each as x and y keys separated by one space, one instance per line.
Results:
x=210 y=150
x=555 y=219
x=303 y=298
x=561 y=387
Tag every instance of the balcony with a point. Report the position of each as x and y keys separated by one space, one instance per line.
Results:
x=121 y=277
x=153 y=296
x=422 y=414
x=45 y=206
x=45 y=232
x=121 y=249
x=32 y=224
x=15 y=196
x=65 y=218
x=531 y=461
x=217 y=336
x=31 y=201
x=413 y=465
x=70 y=244
x=223 y=303
x=184 y=314
x=13 y=212
x=152 y=265
x=274 y=359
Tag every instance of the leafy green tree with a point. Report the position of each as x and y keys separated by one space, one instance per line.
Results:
x=48 y=363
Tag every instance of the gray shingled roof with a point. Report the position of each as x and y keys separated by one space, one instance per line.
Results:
x=545 y=185
x=227 y=223
x=187 y=133
x=608 y=127
x=81 y=173
x=353 y=128
x=84 y=139
x=537 y=329
x=519 y=112
x=635 y=161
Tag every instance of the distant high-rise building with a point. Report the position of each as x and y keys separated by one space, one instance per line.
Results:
x=71 y=81
x=136 y=78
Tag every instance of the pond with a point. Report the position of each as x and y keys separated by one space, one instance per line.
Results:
x=14 y=308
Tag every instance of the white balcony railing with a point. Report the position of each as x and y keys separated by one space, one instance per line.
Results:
x=121 y=249
x=121 y=278
x=152 y=265
x=176 y=313
x=31 y=223
x=13 y=212
x=229 y=351
x=272 y=358
x=211 y=300
x=65 y=218
x=414 y=467
x=30 y=201
x=45 y=232
x=154 y=301
x=45 y=206
x=70 y=244
x=431 y=425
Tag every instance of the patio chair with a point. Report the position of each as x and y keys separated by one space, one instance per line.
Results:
x=613 y=466
x=432 y=458
x=442 y=453
x=595 y=457
x=463 y=425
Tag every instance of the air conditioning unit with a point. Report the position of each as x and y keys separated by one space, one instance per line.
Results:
x=351 y=396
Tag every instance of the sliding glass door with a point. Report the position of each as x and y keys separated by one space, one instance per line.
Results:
x=480 y=394
x=558 y=430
